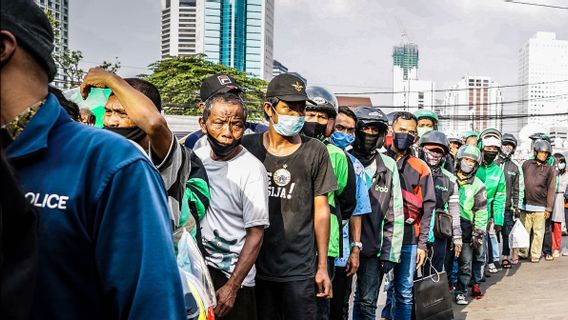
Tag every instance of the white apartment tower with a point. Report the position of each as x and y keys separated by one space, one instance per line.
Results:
x=474 y=103
x=179 y=21
x=543 y=67
x=60 y=11
x=236 y=33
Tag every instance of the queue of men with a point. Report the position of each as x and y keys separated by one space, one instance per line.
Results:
x=290 y=215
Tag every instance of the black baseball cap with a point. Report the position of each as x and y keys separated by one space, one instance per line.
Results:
x=288 y=87
x=31 y=28
x=218 y=83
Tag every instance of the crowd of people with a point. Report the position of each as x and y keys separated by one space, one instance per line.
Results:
x=291 y=213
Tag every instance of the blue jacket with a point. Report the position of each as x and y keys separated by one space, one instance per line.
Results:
x=105 y=249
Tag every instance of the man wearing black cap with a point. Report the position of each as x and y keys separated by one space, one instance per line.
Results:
x=300 y=177
x=105 y=249
x=218 y=83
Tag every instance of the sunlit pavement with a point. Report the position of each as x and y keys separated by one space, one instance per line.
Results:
x=526 y=291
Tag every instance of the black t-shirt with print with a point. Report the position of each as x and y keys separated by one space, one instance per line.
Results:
x=288 y=249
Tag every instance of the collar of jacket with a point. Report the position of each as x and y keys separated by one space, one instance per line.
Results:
x=436 y=171
x=468 y=180
x=393 y=154
x=35 y=136
x=400 y=162
x=486 y=166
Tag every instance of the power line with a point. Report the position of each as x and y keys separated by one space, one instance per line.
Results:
x=464 y=117
x=121 y=65
x=455 y=90
x=479 y=104
x=538 y=4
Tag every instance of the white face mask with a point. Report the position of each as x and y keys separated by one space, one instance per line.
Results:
x=562 y=166
x=467 y=167
x=507 y=150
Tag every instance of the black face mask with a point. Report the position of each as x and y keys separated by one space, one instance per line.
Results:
x=220 y=149
x=314 y=130
x=489 y=156
x=133 y=133
x=366 y=143
x=402 y=141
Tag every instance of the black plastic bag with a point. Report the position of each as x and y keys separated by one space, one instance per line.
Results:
x=432 y=300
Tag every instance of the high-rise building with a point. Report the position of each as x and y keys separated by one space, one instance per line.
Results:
x=410 y=93
x=278 y=68
x=559 y=136
x=543 y=68
x=179 y=21
x=236 y=33
x=474 y=103
x=60 y=11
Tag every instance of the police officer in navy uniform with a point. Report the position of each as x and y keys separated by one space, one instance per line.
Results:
x=105 y=249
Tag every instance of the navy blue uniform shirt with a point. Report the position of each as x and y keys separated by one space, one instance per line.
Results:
x=105 y=249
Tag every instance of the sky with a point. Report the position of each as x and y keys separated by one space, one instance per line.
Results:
x=345 y=45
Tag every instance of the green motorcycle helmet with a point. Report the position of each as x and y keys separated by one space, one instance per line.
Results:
x=468 y=134
x=425 y=113
x=469 y=151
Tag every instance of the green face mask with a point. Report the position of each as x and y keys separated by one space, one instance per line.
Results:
x=423 y=130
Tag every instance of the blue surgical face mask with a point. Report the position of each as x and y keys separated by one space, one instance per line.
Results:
x=288 y=126
x=341 y=139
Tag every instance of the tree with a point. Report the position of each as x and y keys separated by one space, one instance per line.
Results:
x=179 y=79
x=68 y=60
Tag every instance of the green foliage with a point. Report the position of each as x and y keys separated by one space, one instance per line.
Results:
x=110 y=66
x=179 y=79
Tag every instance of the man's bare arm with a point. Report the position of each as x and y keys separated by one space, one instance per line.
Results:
x=321 y=229
x=227 y=294
x=139 y=108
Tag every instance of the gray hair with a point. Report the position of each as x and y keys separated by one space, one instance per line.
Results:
x=227 y=97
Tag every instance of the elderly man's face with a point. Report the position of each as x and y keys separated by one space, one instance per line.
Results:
x=115 y=115
x=225 y=122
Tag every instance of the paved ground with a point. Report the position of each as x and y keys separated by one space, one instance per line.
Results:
x=527 y=291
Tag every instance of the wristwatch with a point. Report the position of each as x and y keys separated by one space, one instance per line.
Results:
x=357 y=245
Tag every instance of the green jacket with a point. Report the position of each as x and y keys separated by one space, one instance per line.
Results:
x=515 y=182
x=340 y=165
x=473 y=206
x=496 y=188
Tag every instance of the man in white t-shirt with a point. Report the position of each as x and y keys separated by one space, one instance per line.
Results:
x=233 y=227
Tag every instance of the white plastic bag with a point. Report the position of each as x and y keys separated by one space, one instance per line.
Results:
x=198 y=289
x=519 y=237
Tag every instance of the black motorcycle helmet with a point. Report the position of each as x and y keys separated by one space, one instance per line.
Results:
x=437 y=138
x=325 y=101
x=372 y=117
x=539 y=136
x=542 y=146
x=509 y=139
